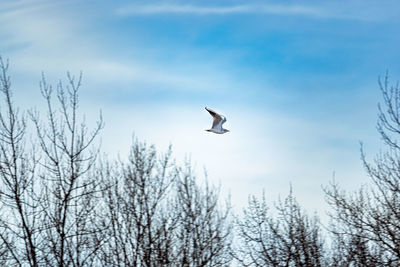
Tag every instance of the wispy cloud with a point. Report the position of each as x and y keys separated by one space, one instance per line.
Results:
x=37 y=40
x=216 y=10
x=353 y=10
x=156 y=83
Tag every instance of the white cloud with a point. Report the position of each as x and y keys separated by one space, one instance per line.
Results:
x=354 y=10
x=41 y=38
x=263 y=150
x=272 y=152
x=217 y=10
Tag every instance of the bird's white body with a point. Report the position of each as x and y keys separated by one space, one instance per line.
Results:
x=217 y=122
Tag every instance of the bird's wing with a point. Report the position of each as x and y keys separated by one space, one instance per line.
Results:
x=223 y=119
x=212 y=112
x=218 y=119
x=218 y=125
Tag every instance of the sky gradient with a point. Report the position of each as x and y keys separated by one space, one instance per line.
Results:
x=297 y=81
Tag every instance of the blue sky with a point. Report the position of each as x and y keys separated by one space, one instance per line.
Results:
x=296 y=80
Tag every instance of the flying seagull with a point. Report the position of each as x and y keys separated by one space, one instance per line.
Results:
x=217 y=122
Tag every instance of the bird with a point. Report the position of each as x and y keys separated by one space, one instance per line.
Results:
x=217 y=122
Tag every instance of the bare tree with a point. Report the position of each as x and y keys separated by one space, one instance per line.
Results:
x=60 y=206
x=19 y=209
x=47 y=197
x=140 y=217
x=204 y=226
x=350 y=247
x=70 y=227
x=159 y=216
x=369 y=220
x=290 y=239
